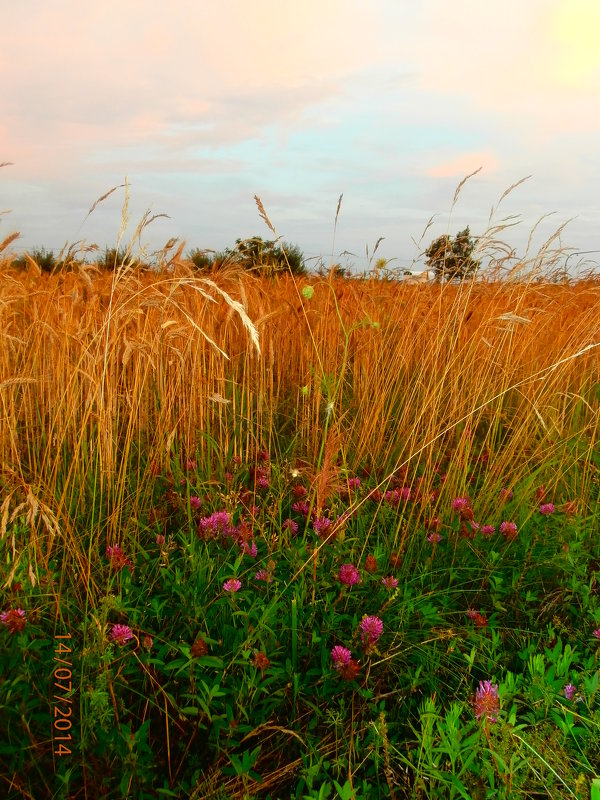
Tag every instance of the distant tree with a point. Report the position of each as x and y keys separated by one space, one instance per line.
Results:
x=451 y=259
x=202 y=259
x=45 y=260
x=269 y=257
x=113 y=258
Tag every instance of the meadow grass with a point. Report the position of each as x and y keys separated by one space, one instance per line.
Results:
x=207 y=485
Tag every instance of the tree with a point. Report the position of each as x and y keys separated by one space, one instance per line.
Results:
x=451 y=259
x=269 y=257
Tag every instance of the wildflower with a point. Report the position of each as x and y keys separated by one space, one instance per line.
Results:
x=262 y=455
x=340 y=656
x=263 y=484
x=216 y=523
x=371 y=630
x=160 y=539
x=14 y=619
x=486 y=703
x=487 y=530
x=508 y=530
x=195 y=502
x=405 y=493
x=433 y=523
x=261 y=661
x=480 y=620
x=461 y=504
x=349 y=671
x=148 y=641
x=118 y=559
x=263 y=575
x=395 y=560
x=290 y=525
x=353 y=483
x=434 y=537
x=547 y=508
x=232 y=585
x=301 y=507
x=596 y=633
x=249 y=549
x=121 y=634
x=370 y=563
x=390 y=582
x=199 y=648
x=322 y=526
x=299 y=492
x=349 y=574
x=569 y=691
x=506 y=494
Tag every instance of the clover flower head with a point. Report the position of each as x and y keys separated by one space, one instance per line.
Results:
x=348 y=574
x=233 y=585
x=290 y=525
x=390 y=582
x=121 y=634
x=340 y=656
x=508 y=530
x=14 y=619
x=486 y=703
x=569 y=691
x=371 y=630
x=547 y=508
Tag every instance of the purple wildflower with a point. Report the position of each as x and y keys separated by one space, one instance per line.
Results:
x=390 y=582
x=322 y=526
x=218 y=522
x=487 y=530
x=434 y=537
x=349 y=574
x=506 y=494
x=195 y=502
x=121 y=634
x=290 y=525
x=249 y=548
x=460 y=504
x=547 y=508
x=508 y=530
x=596 y=633
x=118 y=559
x=14 y=619
x=486 y=703
x=371 y=630
x=263 y=575
x=340 y=656
x=569 y=691
x=301 y=507
x=353 y=483
x=232 y=585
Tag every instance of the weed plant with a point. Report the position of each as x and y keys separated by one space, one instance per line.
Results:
x=304 y=538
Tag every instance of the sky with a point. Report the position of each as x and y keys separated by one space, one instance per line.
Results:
x=198 y=107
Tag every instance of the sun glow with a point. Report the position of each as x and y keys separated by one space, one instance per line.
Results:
x=575 y=26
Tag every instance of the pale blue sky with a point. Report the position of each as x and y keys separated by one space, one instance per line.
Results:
x=389 y=102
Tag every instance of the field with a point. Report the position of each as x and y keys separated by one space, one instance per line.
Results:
x=298 y=537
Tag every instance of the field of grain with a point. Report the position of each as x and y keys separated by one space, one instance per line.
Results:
x=134 y=405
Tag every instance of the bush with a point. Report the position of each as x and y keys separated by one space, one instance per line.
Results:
x=451 y=259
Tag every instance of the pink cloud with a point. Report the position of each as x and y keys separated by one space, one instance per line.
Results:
x=463 y=165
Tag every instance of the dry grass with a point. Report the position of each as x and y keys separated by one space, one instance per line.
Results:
x=97 y=369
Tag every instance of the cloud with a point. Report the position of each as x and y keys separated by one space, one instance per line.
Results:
x=464 y=164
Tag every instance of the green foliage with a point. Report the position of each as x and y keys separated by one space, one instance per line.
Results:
x=235 y=694
x=45 y=260
x=269 y=257
x=452 y=259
